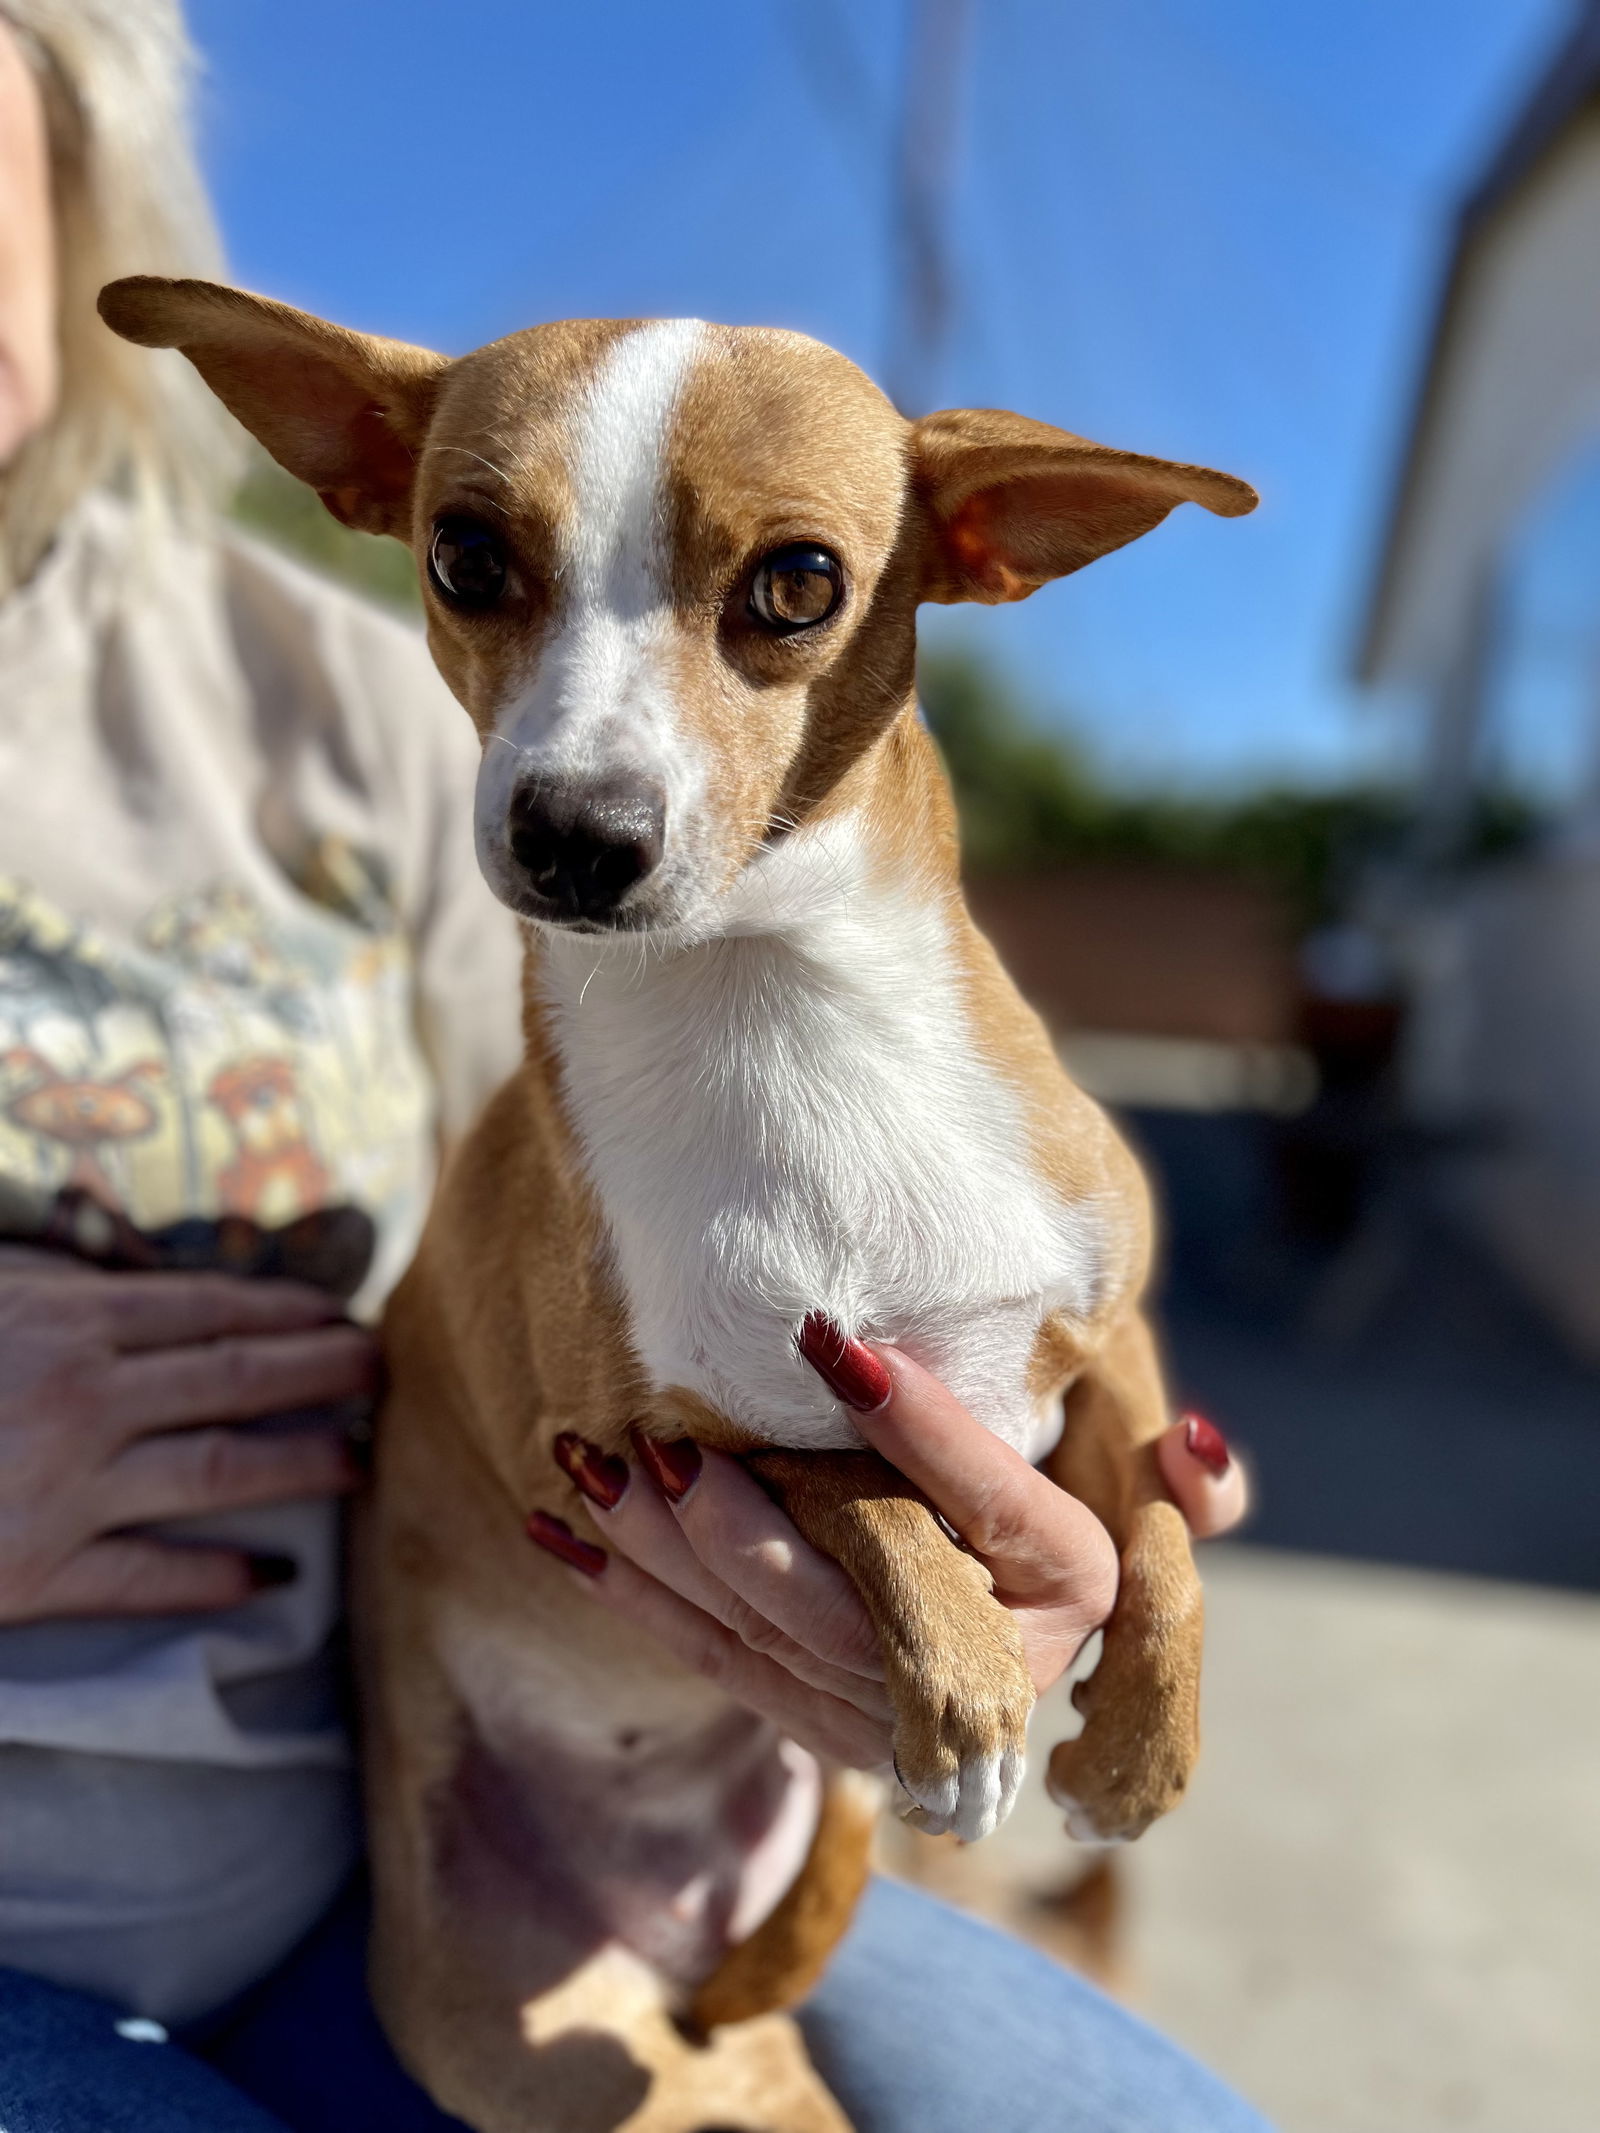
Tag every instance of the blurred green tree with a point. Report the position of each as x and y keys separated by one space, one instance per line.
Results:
x=1029 y=800
x=286 y=513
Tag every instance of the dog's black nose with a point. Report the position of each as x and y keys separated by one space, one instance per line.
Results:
x=584 y=846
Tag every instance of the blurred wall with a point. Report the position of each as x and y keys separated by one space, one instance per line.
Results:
x=1151 y=951
x=1506 y=1034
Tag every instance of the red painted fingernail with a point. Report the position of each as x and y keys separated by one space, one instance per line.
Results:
x=847 y=1367
x=1206 y=1443
x=602 y=1476
x=558 y=1537
x=674 y=1467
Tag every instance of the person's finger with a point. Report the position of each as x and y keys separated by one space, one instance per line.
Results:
x=141 y=1311
x=1208 y=1483
x=640 y=1527
x=182 y=1474
x=828 y=1726
x=755 y=1550
x=235 y=1378
x=126 y=1575
x=1042 y=1546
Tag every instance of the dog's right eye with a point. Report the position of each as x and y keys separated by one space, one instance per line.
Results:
x=467 y=562
x=796 y=587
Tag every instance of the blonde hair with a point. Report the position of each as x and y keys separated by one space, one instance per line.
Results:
x=115 y=77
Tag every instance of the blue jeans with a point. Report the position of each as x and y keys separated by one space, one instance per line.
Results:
x=926 y=2023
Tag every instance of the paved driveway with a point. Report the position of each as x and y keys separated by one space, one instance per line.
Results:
x=1379 y=1910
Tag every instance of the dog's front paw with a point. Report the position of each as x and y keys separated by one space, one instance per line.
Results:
x=1129 y=1766
x=1105 y=1803
x=953 y=1660
x=961 y=1725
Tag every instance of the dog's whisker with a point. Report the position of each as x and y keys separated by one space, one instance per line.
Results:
x=466 y=451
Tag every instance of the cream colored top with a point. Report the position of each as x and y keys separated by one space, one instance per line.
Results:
x=248 y=971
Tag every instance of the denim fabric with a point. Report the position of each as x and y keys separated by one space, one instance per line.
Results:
x=926 y=2023
x=70 y=2063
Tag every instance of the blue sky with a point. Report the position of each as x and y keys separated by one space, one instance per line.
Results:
x=1207 y=228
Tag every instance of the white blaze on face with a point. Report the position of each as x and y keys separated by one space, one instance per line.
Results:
x=601 y=702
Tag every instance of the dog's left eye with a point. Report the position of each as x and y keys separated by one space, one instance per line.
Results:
x=795 y=587
x=467 y=561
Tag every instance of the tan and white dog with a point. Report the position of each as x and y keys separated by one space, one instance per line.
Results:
x=672 y=572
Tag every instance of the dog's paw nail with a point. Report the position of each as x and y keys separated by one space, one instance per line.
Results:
x=978 y=1809
x=1103 y=1817
x=970 y=1802
x=1083 y=1826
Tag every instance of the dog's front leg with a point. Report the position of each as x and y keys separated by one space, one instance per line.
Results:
x=1141 y=1705
x=953 y=1657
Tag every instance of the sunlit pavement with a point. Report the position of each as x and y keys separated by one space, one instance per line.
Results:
x=1380 y=1907
x=1378 y=1911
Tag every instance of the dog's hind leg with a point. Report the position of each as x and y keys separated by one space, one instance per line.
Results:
x=754 y=2077
x=1141 y=1705
x=601 y=2053
x=780 y=1962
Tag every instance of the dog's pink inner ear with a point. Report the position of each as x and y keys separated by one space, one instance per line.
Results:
x=372 y=477
x=327 y=428
x=1008 y=540
x=1009 y=503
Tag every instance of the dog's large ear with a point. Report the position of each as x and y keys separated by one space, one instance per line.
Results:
x=1011 y=503
x=344 y=411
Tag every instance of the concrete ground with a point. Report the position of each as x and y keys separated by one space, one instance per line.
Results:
x=1379 y=1912
x=1379 y=1909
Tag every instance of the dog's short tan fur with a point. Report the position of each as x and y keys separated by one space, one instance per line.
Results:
x=545 y=1791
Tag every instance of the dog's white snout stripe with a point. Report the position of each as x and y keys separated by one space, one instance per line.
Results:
x=615 y=539
x=602 y=705
x=608 y=659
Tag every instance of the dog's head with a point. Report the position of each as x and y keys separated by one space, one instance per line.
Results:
x=671 y=569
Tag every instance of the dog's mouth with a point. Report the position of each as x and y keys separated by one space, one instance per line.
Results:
x=537 y=911
x=662 y=911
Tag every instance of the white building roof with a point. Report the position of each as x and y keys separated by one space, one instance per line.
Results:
x=1510 y=388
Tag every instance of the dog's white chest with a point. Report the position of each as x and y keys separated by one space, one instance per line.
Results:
x=796 y=1117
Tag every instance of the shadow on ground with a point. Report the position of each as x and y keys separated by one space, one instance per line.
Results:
x=1442 y=1425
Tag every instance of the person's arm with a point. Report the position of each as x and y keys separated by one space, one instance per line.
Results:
x=115 y=1395
x=700 y=1556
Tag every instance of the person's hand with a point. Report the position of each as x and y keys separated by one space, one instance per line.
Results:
x=700 y=1556
x=115 y=1393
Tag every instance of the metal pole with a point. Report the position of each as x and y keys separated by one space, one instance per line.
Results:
x=922 y=293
